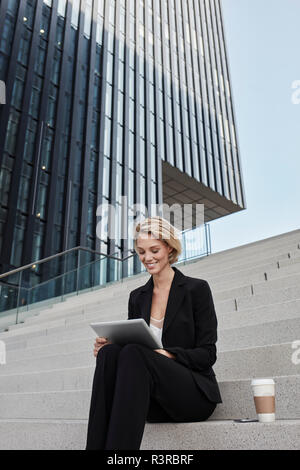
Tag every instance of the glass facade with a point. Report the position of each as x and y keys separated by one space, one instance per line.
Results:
x=100 y=94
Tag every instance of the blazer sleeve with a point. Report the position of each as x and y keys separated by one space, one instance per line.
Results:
x=204 y=354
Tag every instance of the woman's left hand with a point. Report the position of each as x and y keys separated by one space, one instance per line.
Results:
x=165 y=353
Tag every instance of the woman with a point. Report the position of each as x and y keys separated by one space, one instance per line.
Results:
x=133 y=383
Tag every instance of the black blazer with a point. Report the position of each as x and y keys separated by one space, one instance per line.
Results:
x=189 y=328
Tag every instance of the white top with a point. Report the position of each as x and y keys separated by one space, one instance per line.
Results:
x=157 y=331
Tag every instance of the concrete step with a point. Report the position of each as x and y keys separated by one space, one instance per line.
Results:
x=123 y=288
x=274 y=324
x=72 y=315
x=213 y=264
x=227 y=259
x=51 y=335
x=241 y=277
x=255 y=288
x=238 y=400
x=258 y=361
x=273 y=332
x=67 y=347
x=243 y=302
x=67 y=404
x=52 y=361
x=76 y=378
x=255 y=301
x=259 y=315
x=292 y=266
x=57 y=326
x=221 y=269
x=293 y=258
x=74 y=404
x=222 y=435
x=220 y=291
x=237 y=319
x=278 y=283
x=270 y=297
x=51 y=434
x=65 y=310
x=68 y=312
x=24 y=434
x=218 y=275
x=212 y=270
x=22 y=399
x=67 y=321
x=65 y=329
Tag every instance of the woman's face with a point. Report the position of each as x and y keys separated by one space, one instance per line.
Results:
x=153 y=253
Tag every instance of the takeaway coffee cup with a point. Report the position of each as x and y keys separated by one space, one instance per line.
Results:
x=264 y=399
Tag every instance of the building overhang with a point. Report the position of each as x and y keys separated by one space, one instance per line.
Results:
x=180 y=188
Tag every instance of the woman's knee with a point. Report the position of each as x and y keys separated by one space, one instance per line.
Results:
x=132 y=351
x=110 y=349
x=131 y=348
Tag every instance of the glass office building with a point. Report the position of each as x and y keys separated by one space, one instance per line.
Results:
x=105 y=99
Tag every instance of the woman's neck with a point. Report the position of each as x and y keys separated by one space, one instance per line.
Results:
x=163 y=279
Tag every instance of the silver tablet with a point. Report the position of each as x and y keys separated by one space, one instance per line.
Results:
x=128 y=331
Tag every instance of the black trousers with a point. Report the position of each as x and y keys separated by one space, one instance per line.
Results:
x=134 y=384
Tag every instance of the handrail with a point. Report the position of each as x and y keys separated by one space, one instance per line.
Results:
x=22 y=268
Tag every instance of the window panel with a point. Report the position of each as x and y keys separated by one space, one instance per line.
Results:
x=120 y=107
x=107 y=130
x=108 y=100
x=142 y=155
x=106 y=176
x=142 y=121
x=110 y=61
x=119 y=147
x=120 y=75
x=131 y=115
x=11 y=133
x=131 y=150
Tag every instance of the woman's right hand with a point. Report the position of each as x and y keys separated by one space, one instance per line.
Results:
x=100 y=342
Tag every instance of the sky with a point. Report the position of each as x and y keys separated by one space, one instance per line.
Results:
x=263 y=46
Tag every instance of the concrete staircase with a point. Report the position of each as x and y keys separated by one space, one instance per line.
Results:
x=45 y=386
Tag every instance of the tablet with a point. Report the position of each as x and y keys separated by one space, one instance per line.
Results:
x=128 y=331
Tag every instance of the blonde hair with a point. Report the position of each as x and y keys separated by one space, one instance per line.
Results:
x=162 y=230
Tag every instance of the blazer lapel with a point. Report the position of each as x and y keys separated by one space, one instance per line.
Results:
x=176 y=295
x=145 y=300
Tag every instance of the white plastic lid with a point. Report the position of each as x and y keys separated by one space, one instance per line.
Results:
x=262 y=382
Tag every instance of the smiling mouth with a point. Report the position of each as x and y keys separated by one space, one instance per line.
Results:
x=151 y=265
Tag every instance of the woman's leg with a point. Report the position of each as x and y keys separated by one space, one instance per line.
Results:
x=134 y=385
x=143 y=374
x=176 y=392
x=102 y=395
x=157 y=414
